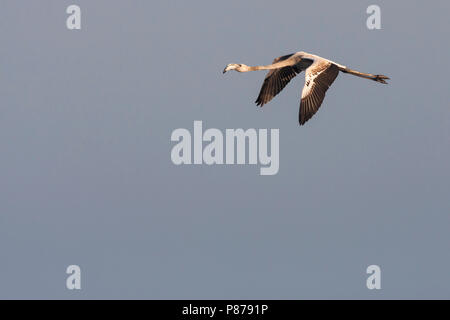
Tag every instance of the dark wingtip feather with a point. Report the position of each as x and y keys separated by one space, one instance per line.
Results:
x=301 y=120
x=259 y=102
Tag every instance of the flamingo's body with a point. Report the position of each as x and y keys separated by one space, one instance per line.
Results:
x=320 y=74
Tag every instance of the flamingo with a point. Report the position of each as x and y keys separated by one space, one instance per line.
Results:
x=320 y=73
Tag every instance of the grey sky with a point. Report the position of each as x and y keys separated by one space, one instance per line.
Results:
x=86 y=176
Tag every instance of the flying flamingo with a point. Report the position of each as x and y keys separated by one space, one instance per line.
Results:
x=320 y=74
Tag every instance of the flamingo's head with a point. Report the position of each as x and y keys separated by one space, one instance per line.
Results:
x=236 y=66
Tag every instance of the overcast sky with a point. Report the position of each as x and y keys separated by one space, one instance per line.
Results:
x=86 y=176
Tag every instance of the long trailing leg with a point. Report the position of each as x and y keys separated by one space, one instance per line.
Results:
x=375 y=77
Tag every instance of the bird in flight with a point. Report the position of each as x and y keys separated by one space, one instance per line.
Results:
x=319 y=75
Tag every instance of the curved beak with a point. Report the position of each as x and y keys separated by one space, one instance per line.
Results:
x=225 y=70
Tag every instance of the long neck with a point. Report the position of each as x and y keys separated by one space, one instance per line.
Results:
x=276 y=65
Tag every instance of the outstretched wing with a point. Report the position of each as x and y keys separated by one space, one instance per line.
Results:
x=276 y=80
x=318 y=79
